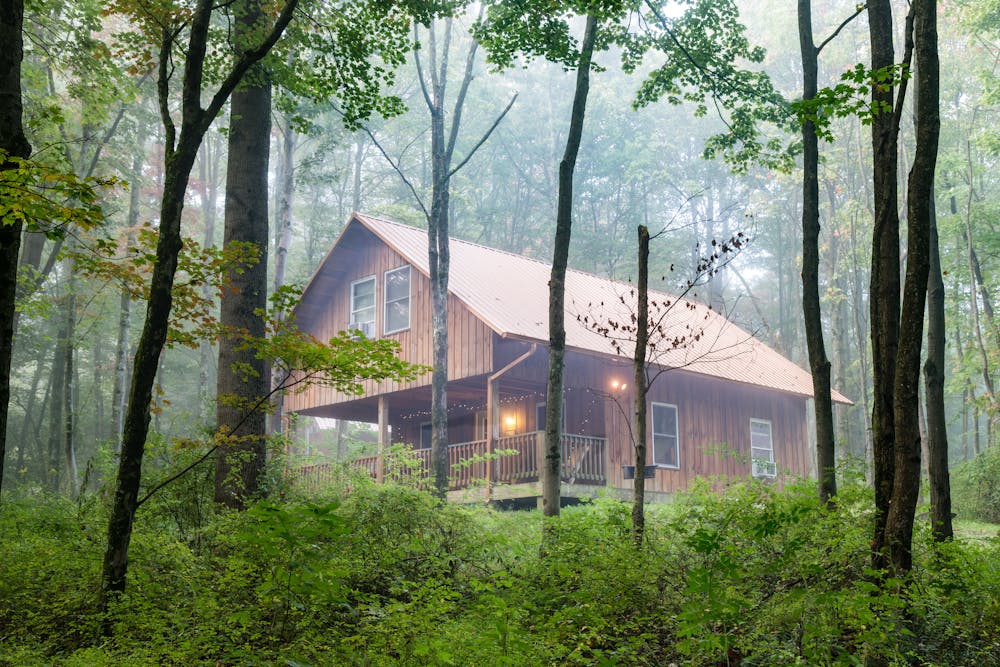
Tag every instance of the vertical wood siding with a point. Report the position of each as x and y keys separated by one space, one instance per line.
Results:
x=470 y=341
x=713 y=423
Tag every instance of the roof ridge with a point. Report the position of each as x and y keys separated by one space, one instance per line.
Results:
x=510 y=253
x=460 y=240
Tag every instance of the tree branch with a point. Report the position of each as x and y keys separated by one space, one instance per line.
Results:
x=460 y=100
x=398 y=170
x=857 y=12
x=485 y=136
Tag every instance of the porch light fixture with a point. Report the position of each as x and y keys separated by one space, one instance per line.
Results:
x=509 y=425
x=618 y=386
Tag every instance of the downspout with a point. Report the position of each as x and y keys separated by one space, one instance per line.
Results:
x=491 y=417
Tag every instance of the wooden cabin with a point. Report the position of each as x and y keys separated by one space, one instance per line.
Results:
x=726 y=405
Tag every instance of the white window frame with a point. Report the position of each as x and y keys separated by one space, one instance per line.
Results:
x=675 y=435
x=480 y=426
x=388 y=302
x=354 y=325
x=759 y=465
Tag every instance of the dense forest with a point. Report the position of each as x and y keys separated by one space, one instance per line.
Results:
x=172 y=174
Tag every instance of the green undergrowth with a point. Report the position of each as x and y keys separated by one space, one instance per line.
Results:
x=384 y=575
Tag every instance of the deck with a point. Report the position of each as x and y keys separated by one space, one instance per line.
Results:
x=515 y=460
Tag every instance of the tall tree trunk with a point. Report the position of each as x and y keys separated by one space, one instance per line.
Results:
x=884 y=293
x=906 y=483
x=439 y=256
x=811 y=308
x=552 y=465
x=14 y=144
x=243 y=378
x=180 y=153
x=937 y=423
x=641 y=387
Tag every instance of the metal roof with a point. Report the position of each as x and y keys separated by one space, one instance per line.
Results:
x=509 y=293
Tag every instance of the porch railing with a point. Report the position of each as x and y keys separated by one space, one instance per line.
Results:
x=515 y=460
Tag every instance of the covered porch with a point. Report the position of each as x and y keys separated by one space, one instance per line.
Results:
x=509 y=460
x=496 y=427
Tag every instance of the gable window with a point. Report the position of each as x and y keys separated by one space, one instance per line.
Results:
x=363 y=306
x=665 y=443
x=397 y=300
x=762 y=449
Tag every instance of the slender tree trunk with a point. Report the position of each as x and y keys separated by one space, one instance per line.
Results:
x=811 y=308
x=976 y=279
x=937 y=423
x=68 y=426
x=438 y=253
x=557 y=283
x=243 y=378
x=359 y=158
x=283 y=239
x=180 y=153
x=906 y=483
x=861 y=335
x=13 y=143
x=29 y=415
x=884 y=295
x=641 y=387
x=208 y=174
x=118 y=393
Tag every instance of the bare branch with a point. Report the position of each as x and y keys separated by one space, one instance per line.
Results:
x=460 y=100
x=420 y=71
x=857 y=11
x=398 y=170
x=485 y=136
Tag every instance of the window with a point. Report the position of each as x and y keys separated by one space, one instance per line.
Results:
x=426 y=432
x=665 y=449
x=397 y=300
x=540 y=416
x=363 y=306
x=762 y=449
x=480 y=426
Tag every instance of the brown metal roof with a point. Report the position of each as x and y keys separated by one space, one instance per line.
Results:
x=510 y=294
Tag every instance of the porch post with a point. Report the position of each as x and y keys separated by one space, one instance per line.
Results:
x=491 y=428
x=383 y=438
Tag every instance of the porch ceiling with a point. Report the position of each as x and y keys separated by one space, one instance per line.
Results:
x=365 y=409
